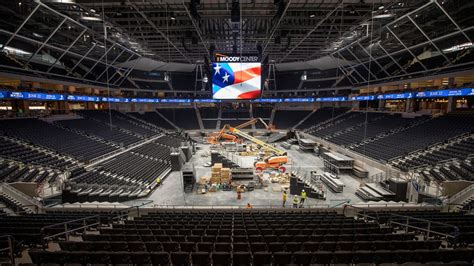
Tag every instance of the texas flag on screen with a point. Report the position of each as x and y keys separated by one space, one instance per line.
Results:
x=236 y=80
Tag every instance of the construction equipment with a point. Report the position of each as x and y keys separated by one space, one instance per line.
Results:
x=274 y=162
x=214 y=139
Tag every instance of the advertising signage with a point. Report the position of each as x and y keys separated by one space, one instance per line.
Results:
x=85 y=98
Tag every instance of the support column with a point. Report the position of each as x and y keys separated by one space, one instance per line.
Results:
x=381 y=104
x=409 y=105
x=451 y=104
x=355 y=104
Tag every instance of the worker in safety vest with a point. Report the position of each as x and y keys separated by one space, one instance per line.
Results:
x=158 y=181
x=295 y=201
x=284 y=196
x=303 y=198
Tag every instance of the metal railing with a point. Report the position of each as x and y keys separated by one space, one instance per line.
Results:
x=52 y=231
x=238 y=207
x=395 y=220
x=468 y=191
x=9 y=248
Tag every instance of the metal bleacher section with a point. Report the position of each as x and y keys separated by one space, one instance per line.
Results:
x=242 y=237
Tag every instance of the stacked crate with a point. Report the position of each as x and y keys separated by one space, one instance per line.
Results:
x=216 y=173
x=225 y=175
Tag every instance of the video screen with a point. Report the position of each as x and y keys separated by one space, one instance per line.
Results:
x=236 y=81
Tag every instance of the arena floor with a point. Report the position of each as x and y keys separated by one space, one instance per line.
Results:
x=171 y=192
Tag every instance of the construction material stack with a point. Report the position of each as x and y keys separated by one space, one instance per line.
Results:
x=225 y=175
x=216 y=173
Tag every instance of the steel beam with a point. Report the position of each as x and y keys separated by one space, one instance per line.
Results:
x=275 y=28
x=67 y=50
x=20 y=27
x=117 y=72
x=372 y=58
x=342 y=70
x=353 y=68
x=125 y=76
x=97 y=62
x=428 y=38
x=391 y=57
x=413 y=46
x=84 y=56
x=112 y=63
x=363 y=65
x=390 y=23
x=157 y=29
x=47 y=39
x=452 y=20
x=311 y=31
x=406 y=48
x=197 y=29
x=82 y=25
x=52 y=47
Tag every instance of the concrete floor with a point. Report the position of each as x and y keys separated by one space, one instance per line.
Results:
x=171 y=191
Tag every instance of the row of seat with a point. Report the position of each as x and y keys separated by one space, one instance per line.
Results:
x=188 y=246
x=58 y=139
x=246 y=258
x=26 y=153
x=252 y=238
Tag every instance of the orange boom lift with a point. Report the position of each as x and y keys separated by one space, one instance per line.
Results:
x=275 y=161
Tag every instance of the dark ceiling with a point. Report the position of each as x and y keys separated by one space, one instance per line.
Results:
x=377 y=39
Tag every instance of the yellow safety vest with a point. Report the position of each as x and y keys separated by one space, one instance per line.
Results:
x=295 y=200
x=303 y=195
x=284 y=196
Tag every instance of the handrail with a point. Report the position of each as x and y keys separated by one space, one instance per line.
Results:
x=427 y=230
x=462 y=193
x=121 y=214
x=10 y=247
x=67 y=230
x=237 y=207
x=407 y=225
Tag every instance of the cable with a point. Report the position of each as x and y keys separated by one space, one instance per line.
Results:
x=368 y=77
x=106 y=64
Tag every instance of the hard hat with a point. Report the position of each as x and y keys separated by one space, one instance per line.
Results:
x=302 y=190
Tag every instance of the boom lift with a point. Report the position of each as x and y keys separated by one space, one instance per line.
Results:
x=222 y=135
x=274 y=161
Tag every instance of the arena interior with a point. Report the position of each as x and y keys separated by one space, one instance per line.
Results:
x=236 y=132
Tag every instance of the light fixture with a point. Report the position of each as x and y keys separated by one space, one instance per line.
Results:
x=61 y=1
x=387 y=15
x=304 y=76
x=205 y=79
x=90 y=18
x=312 y=15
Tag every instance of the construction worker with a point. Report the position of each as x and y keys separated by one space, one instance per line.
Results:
x=239 y=193
x=303 y=198
x=158 y=181
x=284 y=198
x=295 y=201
